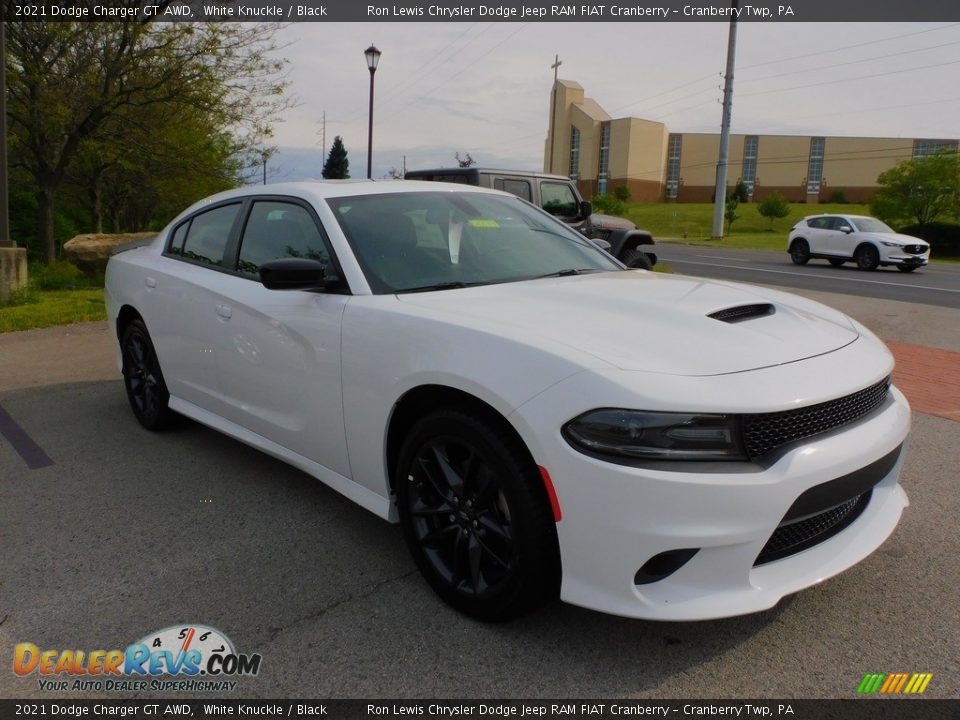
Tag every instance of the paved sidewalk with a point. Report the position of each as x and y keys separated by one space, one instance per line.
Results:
x=929 y=377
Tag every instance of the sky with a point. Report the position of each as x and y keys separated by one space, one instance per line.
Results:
x=484 y=88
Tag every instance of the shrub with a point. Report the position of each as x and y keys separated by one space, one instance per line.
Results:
x=944 y=238
x=622 y=193
x=608 y=204
x=63 y=275
x=774 y=207
x=837 y=197
x=740 y=192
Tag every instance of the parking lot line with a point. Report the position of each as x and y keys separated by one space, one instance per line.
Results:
x=24 y=445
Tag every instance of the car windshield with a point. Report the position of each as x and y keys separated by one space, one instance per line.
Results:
x=871 y=225
x=413 y=241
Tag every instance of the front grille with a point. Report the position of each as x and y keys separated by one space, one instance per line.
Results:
x=764 y=432
x=792 y=537
x=915 y=249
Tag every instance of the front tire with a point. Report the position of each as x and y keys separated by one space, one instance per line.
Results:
x=636 y=259
x=867 y=257
x=476 y=517
x=800 y=252
x=143 y=379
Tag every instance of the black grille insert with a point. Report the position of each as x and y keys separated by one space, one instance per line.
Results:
x=915 y=249
x=743 y=312
x=792 y=537
x=764 y=432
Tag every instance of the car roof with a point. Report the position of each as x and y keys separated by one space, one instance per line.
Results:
x=319 y=190
x=487 y=171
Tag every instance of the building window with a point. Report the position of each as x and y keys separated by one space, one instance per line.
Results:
x=815 y=166
x=751 y=143
x=673 y=165
x=604 y=168
x=574 y=154
x=923 y=148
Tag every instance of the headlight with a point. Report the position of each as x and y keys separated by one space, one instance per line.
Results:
x=888 y=243
x=633 y=434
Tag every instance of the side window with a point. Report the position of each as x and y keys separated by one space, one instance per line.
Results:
x=520 y=188
x=819 y=223
x=208 y=234
x=558 y=199
x=277 y=230
x=176 y=242
x=838 y=222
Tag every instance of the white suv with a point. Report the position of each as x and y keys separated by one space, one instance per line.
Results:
x=864 y=240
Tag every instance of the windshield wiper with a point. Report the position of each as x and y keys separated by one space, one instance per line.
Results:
x=452 y=285
x=568 y=272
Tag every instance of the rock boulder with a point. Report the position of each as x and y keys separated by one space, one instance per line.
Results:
x=91 y=252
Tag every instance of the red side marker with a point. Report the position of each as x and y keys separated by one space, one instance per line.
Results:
x=551 y=493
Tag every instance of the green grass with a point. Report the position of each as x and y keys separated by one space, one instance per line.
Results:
x=46 y=308
x=691 y=223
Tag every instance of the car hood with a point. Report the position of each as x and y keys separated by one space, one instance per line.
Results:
x=637 y=320
x=610 y=222
x=893 y=237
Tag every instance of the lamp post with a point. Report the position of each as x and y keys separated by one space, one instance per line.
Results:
x=263 y=157
x=373 y=57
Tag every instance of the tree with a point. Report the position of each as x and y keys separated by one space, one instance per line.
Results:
x=774 y=207
x=337 y=167
x=730 y=211
x=740 y=192
x=466 y=161
x=922 y=189
x=72 y=85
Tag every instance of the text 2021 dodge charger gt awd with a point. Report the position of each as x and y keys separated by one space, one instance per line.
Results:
x=540 y=420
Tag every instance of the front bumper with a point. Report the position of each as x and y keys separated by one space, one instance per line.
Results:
x=616 y=518
x=896 y=256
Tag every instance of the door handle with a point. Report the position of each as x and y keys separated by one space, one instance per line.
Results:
x=224 y=311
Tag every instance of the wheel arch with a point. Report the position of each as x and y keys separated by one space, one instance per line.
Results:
x=126 y=315
x=418 y=401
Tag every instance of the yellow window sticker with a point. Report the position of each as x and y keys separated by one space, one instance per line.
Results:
x=483 y=223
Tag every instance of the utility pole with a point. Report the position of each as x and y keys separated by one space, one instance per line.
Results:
x=323 y=138
x=720 y=197
x=553 y=110
x=4 y=204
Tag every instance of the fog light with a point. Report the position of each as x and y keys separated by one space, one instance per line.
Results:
x=663 y=565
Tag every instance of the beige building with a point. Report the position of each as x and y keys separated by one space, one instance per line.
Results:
x=601 y=153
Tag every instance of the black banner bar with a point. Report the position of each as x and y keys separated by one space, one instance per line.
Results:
x=633 y=11
x=604 y=709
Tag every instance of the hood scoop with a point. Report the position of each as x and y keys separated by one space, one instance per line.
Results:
x=739 y=313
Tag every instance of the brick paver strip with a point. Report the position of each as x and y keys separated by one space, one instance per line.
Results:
x=929 y=377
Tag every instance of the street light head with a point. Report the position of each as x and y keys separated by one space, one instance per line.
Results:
x=373 y=57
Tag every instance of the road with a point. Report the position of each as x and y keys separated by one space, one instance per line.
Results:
x=937 y=284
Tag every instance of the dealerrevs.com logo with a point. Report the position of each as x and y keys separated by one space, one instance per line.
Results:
x=198 y=657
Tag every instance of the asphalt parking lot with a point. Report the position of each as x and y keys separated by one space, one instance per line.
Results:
x=128 y=532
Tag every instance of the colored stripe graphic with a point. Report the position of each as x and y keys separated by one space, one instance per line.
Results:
x=894 y=683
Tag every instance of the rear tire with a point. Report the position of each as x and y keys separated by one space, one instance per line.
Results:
x=800 y=252
x=837 y=262
x=143 y=379
x=867 y=257
x=476 y=516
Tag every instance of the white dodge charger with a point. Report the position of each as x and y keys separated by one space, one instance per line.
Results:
x=540 y=420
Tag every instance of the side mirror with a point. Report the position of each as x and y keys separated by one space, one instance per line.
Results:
x=846 y=229
x=586 y=209
x=297 y=274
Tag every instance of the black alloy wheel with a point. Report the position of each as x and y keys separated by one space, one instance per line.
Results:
x=146 y=389
x=867 y=257
x=800 y=252
x=476 y=517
